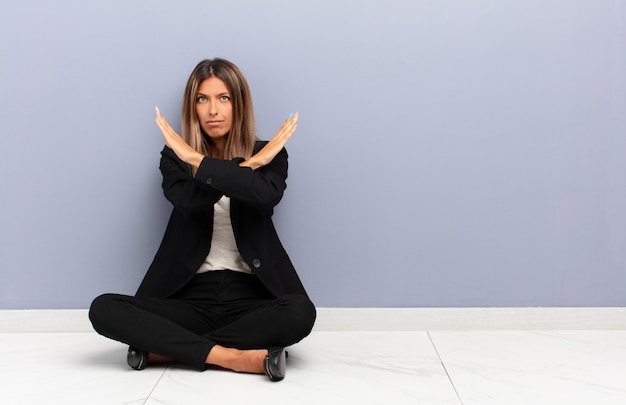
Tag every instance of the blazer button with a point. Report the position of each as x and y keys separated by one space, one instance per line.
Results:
x=256 y=263
x=209 y=180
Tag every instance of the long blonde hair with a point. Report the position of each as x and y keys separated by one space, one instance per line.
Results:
x=242 y=136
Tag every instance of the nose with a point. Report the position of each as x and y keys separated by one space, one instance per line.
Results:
x=212 y=108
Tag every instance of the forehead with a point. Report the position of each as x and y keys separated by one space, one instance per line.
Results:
x=212 y=85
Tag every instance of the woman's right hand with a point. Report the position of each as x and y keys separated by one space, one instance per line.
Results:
x=275 y=145
x=174 y=141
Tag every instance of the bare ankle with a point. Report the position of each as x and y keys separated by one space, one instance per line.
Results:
x=158 y=359
x=241 y=361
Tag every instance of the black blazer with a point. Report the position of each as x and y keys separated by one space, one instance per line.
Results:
x=187 y=239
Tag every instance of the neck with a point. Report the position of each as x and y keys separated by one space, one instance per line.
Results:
x=217 y=151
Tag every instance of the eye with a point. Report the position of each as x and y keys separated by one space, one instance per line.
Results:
x=201 y=99
x=225 y=98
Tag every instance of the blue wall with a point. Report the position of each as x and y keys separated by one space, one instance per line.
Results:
x=449 y=153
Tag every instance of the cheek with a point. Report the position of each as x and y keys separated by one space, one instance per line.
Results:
x=228 y=114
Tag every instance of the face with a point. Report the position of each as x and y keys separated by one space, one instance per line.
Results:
x=214 y=109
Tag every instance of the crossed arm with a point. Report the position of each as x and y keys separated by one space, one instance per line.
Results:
x=188 y=155
x=262 y=187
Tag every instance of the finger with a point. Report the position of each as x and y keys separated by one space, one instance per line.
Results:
x=165 y=127
x=283 y=135
x=287 y=131
x=160 y=118
x=170 y=137
x=294 y=119
x=291 y=119
x=289 y=125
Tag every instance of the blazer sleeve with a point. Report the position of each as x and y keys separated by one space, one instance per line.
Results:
x=186 y=195
x=262 y=188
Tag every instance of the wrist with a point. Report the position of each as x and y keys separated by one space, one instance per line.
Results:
x=252 y=163
x=195 y=159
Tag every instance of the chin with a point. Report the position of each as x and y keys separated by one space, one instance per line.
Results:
x=215 y=135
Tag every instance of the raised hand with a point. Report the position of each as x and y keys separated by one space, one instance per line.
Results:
x=275 y=145
x=182 y=149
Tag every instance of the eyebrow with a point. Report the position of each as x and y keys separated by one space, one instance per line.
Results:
x=220 y=94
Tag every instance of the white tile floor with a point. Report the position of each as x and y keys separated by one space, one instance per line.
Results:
x=436 y=367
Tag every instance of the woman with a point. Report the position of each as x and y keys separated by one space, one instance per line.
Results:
x=221 y=289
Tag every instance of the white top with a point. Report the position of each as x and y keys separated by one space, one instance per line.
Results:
x=224 y=254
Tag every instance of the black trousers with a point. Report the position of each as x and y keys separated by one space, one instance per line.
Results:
x=228 y=308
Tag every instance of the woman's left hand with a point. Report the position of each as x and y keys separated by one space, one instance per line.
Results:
x=182 y=149
x=274 y=146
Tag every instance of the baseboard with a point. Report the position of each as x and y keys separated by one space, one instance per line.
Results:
x=416 y=319
x=44 y=320
x=373 y=319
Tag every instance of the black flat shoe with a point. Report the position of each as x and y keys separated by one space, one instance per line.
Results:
x=137 y=359
x=275 y=363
